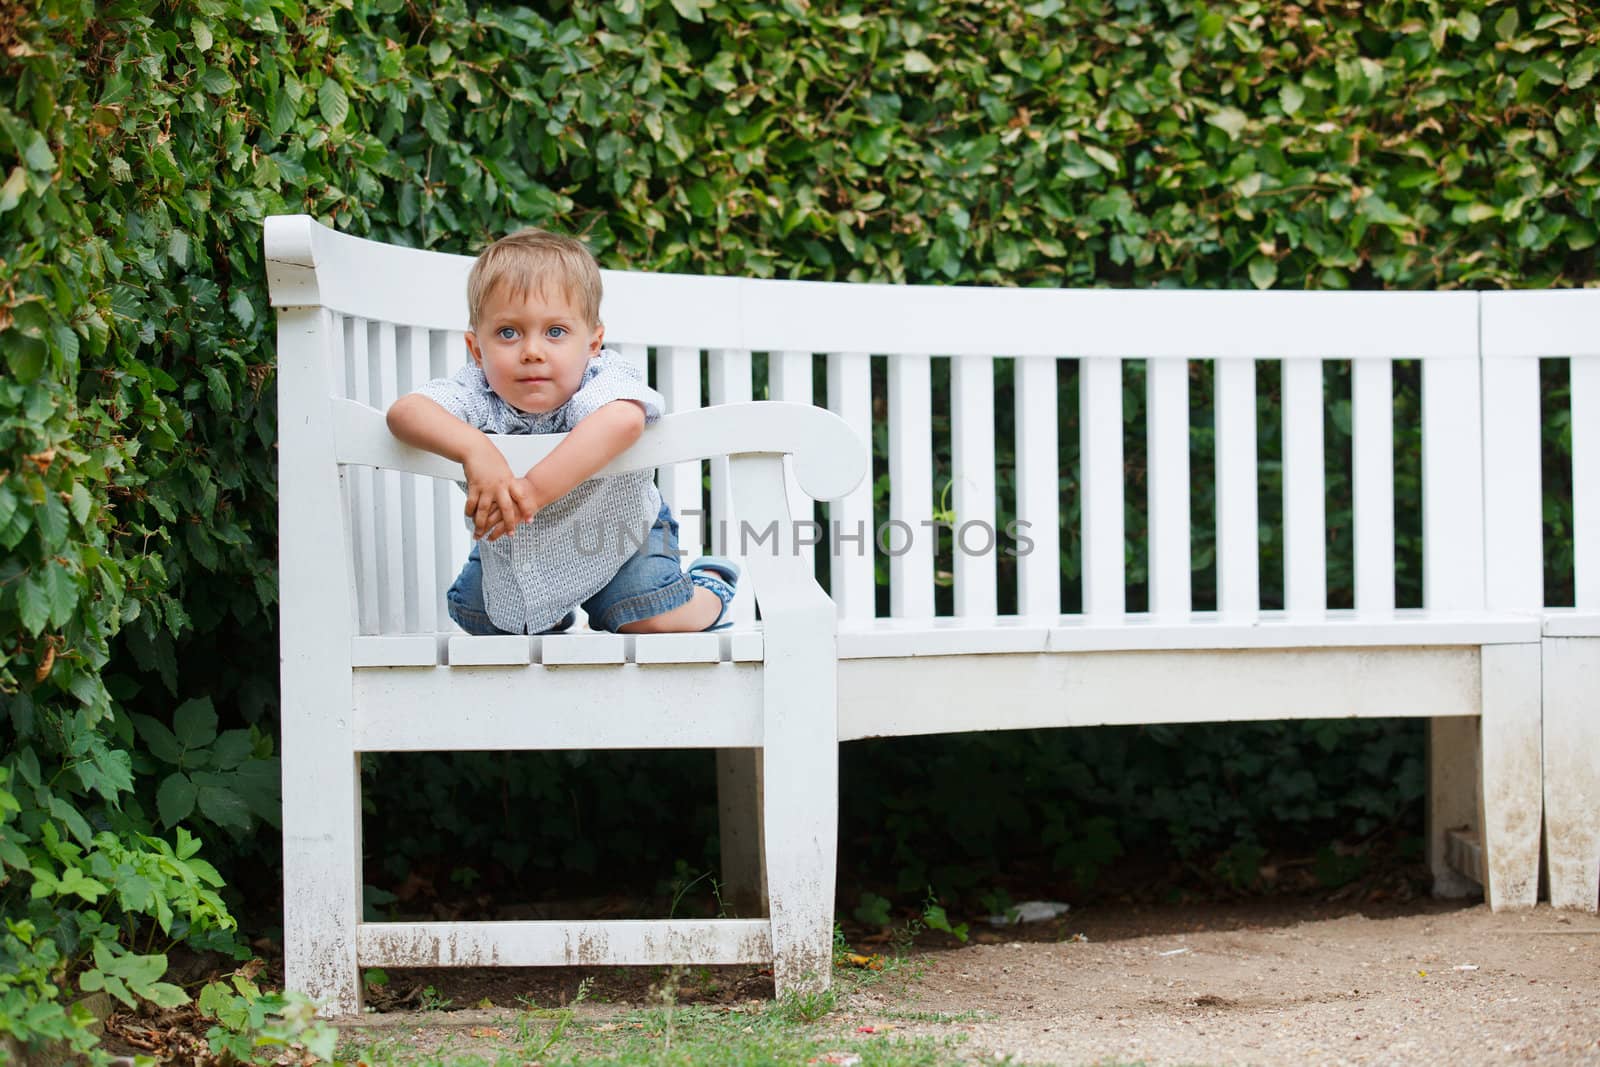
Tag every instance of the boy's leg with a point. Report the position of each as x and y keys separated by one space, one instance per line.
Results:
x=464 y=601
x=651 y=593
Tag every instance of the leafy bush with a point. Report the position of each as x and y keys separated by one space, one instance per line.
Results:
x=1135 y=142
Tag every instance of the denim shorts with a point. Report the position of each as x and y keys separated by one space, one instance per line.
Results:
x=651 y=582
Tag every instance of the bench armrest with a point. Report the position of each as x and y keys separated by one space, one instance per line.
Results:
x=829 y=461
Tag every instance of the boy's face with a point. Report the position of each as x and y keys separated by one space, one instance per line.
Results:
x=533 y=347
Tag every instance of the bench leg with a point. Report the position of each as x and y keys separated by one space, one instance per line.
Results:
x=800 y=814
x=1453 y=778
x=322 y=876
x=744 y=872
x=1572 y=770
x=801 y=820
x=1513 y=774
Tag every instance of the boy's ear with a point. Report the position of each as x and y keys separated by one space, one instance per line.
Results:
x=472 y=346
x=599 y=336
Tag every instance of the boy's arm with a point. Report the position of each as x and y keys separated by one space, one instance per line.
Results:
x=423 y=423
x=596 y=440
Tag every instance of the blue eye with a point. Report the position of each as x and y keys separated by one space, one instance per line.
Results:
x=555 y=333
x=506 y=333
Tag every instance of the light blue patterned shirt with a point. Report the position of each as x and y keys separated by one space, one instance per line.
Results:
x=575 y=545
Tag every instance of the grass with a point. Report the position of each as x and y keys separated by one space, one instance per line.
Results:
x=796 y=1029
x=779 y=1034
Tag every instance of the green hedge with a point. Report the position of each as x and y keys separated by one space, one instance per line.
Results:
x=1395 y=144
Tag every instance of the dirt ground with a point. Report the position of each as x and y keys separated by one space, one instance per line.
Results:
x=1260 y=982
x=1449 y=985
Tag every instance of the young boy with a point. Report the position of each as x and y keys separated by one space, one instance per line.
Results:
x=555 y=536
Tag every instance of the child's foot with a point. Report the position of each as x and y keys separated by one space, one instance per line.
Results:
x=721 y=576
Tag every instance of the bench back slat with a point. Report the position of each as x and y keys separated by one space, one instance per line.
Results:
x=1100 y=484
x=973 y=494
x=1452 y=485
x=1586 y=478
x=853 y=584
x=1038 y=480
x=678 y=381
x=731 y=376
x=1238 y=538
x=1168 y=489
x=1372 y=426
x=417 y=503
x=789 y=378
x=1513 y=527
x=1305 y=525
x=910 y=487
x=396 y=585
x=364 y=516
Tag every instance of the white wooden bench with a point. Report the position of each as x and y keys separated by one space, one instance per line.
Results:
x=367 y=556
x=1520 y=328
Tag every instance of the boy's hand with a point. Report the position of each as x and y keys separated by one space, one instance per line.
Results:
x=497 y=527
x=497 y=500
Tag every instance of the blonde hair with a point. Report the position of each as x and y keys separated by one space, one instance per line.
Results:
x=531 y=259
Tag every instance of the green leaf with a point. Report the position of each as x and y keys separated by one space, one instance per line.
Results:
x=33 y=602
x=163 y=745
x=81 y=503
x=916 y=62
x=333 y=102
x=1291 y=97
x=195 y=723
x=231 y=748
x=202 y=35
x=689 y=9
x=1230 y=120
x=1505 y=26
x=224 y=807
x=241 y=307
x=175 y=799
x=37 y=154
x=11 y=192
x=1263 y=272
x=63 y=593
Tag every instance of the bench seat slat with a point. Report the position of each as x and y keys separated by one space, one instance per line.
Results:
x=908 y=638
x=395 y=650
x=1571 y=622
x=547 y=943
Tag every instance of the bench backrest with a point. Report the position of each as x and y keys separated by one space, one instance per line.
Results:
x=396 y=317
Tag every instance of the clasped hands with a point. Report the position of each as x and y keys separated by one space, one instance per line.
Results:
x=497 y=500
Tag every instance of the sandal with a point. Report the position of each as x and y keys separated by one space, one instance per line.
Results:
x=720 y=575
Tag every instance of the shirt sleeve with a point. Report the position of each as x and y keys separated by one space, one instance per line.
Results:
x=464 y=395
x=610 y=377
